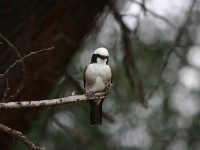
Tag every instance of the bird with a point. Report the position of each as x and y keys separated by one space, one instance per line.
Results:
x=97 y=77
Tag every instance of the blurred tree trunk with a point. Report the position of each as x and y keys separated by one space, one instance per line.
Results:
x=31 y=26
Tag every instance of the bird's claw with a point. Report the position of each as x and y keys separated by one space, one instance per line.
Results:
x=90 y=94
x=107 y=89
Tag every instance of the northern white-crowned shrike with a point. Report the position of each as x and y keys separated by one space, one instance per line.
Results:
x=97 y=78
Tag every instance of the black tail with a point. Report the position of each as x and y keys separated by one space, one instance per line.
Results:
x=95 y=112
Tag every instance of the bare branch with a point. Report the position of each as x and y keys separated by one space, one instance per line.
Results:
x=178 y=37
x=13 y=47
x=20 y=136
x=132 y=70
x=23 y=58
x=179 y=34
x=52 y=102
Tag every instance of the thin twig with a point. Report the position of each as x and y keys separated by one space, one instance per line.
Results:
x=52 y=102
x=147 y=10
x=13 y=47
x=20 y=86
x=6 y=91
x=20 y=136
x=178 y=37
x=23 y=58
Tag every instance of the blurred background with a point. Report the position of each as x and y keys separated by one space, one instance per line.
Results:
x=154 y=51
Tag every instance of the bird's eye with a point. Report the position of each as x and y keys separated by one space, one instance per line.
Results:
x=102 y=57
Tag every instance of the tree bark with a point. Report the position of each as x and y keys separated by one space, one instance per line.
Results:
x=33 y=25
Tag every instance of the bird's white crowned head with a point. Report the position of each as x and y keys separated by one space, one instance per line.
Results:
x=101 y=51
x=100 y=56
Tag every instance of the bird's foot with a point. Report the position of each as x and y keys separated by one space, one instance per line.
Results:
x=90 y=94
x=107 y=89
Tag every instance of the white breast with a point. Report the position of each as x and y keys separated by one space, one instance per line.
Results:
x=101 y=74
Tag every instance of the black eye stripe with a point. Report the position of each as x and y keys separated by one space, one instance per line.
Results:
x=101 y=56
x=95 y=56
